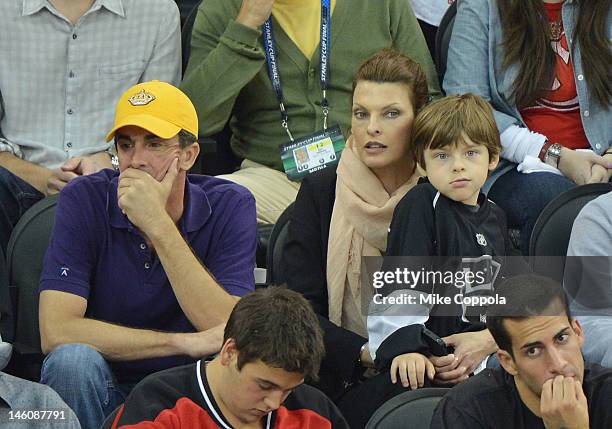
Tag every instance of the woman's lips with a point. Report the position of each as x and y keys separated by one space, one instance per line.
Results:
x=374 y=147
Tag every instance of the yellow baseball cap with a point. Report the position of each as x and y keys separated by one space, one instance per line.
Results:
x=157 y=107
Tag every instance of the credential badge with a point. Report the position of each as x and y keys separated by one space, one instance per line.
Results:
x=481 y=239
x=141 y=99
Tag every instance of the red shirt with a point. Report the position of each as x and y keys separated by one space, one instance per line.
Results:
x=557 y=114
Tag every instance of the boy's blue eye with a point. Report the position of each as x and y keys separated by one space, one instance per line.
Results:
x=471 y=153
x=359 y=114
x=441 y=155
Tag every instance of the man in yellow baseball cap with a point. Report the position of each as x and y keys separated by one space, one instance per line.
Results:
x=145 y=264
x=157 y=107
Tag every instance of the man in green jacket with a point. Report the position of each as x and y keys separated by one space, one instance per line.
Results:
x=228 y=76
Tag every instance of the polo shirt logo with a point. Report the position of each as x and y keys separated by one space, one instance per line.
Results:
x=480 y=239
x=64 y=271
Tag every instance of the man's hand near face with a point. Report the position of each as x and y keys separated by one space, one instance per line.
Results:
x=142 y=198
x=253 y=13
x=563 y=404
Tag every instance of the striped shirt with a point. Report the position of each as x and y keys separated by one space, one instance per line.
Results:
x=60 y=82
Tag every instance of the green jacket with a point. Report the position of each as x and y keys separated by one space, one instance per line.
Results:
x=227 y=77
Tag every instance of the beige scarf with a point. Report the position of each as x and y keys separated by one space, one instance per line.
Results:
x=359 y=225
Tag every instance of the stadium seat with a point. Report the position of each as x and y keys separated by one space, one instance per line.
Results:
x=551 y=232
x=26 y=249
x=108 y=421
x=278 y=237
x=443 y=36
x=216 y=155
x=411 y=409
x=185 y=6
x=7 y=324
x=186 y=34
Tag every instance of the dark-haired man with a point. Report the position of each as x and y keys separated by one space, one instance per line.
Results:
x=272 y=342
x=545 y=382
x=145 y=264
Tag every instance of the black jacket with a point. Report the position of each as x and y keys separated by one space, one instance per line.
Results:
x=304 y=263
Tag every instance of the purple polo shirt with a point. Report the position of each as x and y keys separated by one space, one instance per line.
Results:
x=96 y=253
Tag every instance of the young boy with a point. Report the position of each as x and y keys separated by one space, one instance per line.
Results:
x=446 y=225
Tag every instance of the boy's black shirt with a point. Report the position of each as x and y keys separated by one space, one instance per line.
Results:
x=427 y=224
x=491 y=400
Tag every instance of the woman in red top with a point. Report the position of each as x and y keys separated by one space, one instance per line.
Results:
x=544 y=65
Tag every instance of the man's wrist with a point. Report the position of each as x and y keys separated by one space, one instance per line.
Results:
x=159 y=228
x=491 y=345
x=101 y=158
x=177 y=343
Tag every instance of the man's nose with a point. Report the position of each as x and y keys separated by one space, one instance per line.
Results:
x=139 y=156
x=274 y=400
x=557 y=362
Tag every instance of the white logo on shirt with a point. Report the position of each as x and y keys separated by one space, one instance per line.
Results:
x=481 y=239
x=64 y=271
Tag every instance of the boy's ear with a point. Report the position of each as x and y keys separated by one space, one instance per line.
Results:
x=493 y=162
x=421 y=170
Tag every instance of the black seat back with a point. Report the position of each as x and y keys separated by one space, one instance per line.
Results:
x=551 y=232
x=276 y=243
x=443 y=36
x=412 y=409
x=7 y=324
x=26 y=250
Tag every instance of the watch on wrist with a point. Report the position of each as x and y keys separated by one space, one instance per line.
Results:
x=114 y=161
x=363 y=347
x=553 y=154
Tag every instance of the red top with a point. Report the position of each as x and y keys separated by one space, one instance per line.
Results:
x=557 y=114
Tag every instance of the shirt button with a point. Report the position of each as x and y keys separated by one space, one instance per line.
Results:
x=69 y=144
x=597 y=146
x=69 y=111
x=580 y=77
x=143 y=246
x=74 y=36
x=147 y=265
x=586 y=113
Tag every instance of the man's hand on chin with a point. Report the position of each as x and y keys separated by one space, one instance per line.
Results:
x=142 y=198
x=563 y=404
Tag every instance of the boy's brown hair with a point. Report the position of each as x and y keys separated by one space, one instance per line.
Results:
x=279 y=327
x=391 y=66
x=446 y=121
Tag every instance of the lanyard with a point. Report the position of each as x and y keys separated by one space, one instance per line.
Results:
x=274 y=74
